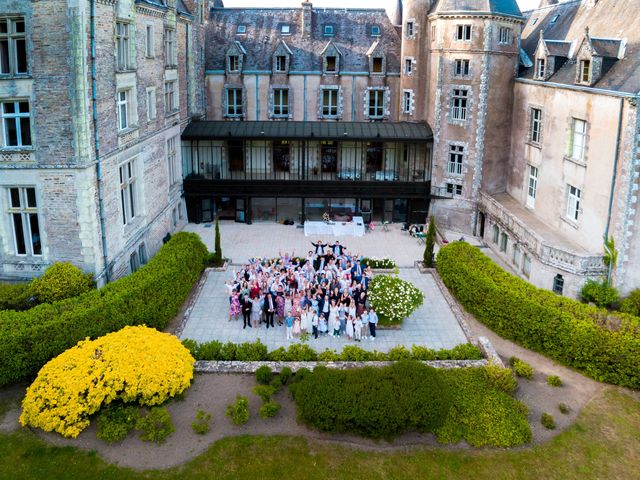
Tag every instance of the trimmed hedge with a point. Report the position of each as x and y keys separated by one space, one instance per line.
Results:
x=409 y=396
x=151 y=296
x=16 y=296
x=602 y=345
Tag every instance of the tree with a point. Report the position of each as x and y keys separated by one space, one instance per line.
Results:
x=218 y=248
x=610 y=257
x=430 y=243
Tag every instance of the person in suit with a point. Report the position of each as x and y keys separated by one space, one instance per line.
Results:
x=246 y=305
x=338 y=249
x=356 y=272
x=269 y=309
x=319 y=250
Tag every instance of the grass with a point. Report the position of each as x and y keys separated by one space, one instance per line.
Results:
x=602 y=444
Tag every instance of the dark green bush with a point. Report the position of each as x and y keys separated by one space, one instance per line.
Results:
x=631 y=304
x=328 y=356
x=209 y=350
x=151 y=296
x=564 y=408
x=429 y=244
x=501 y=378
x=554 y=381
x=156 y=425
x=201 y=425
x=251 y=352
x=285 y=375
x=399 y=352
x=418 y=352
x=602 y=345
x=265 y=392
x=521 y=368
x=548 y=421
x=192 y=346
x=600 y=293
x=228 y=352
x=351 y=353
x=464 y=351
x=16 y=296
x=301 y=352
x=116 y=421
x=238 y=412
x=269 y=409
x=264 y=374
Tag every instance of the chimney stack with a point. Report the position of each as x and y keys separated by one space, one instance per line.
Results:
x=307 y=19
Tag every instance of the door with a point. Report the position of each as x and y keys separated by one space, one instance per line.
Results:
x=388 y=211
x=240 y=210
x=365 y=210
x=481 y=224
x=532 y=189
x=207 y=210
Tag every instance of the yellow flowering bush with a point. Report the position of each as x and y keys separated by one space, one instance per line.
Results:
x=135 y=364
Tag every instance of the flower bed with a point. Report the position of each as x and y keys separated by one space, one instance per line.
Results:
x=394 y=299
x=378 y=263
x=135 y=365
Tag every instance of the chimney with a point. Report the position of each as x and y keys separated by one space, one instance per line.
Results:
x=307 y=19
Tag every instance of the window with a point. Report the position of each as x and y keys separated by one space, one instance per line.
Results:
x=433 y=33
x=123 y=109
x=574 y=196
x=128 y=192
x=516 y=255
x=233 y=63
x=328 y=156
x=174 y=216
x=122 y=46
x=555 y=19
x=234 y=102
x=281 y=63
x=23 y=210
x=16 y=124
x=558 y=284
x=235 y=149
x=504 y=35
x=172 y=161
x=148 y=42
x=376 y=104
x=459 y=104
x=377 y=65
x=456 y=156
x=534 y=21
x=407 y=101
x=408 y=66
x=281 y=155
x=463 y=33
x=409 y=29
x=535 y=125
x=375 y=152
x=526 y=265
x=332 y=64
x=540 y=68
x=496 y=233
x=585 y=71
x=532 y=189
x=285 y=29
x=170 y=97
x=454 y=188
x=151 y=103
x=504 y=240
x=134 y=262
x=328 y=30
x=578 y=138
x=330 y=102
x=242 y=29
x=13 y=46
x=280 y=101
x=170 y=47
x=375 y=30
x=461 y=67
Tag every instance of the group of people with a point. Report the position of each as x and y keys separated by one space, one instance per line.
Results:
x=322 y=294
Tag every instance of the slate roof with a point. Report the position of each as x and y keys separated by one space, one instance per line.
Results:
x=558 y=48
x=497 y=7
x=609 y=22
x=352 y=37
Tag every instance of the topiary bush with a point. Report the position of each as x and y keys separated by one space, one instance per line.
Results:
x=151 y=296
x=600 y=293
x=228 y=352
x=269 y=409
x=548 y=421
x=264 y=374
x=554 y=381
x=429 y=244
x=399 y=352
x=60 y=281
x=285 y=375
x=521 y=368
x=394 y=299
x=265 y=392
x=202 y=423
x=603 y=345
x=352 y=353
x=251 y=352
x=156 y=425
x=238 y=412
x=116 y=420
x=136 y=364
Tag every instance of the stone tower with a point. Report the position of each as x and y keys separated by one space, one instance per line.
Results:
x=472 y=63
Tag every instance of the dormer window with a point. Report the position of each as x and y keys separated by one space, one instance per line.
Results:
x=329 y=30
x=281 y=63
x=330 y=59
x=285 y=29
x=241 y=30
x=332 y=64
x=233 y=63
x=376 y=31
x=534 y=21
x=540 y=68
x=234 y=57
x=555 y=18
x=377 y=65
x=585 y=71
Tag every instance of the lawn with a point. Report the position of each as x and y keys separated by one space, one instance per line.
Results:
x=604 y=443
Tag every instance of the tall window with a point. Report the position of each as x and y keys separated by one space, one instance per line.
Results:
x=281 y=155
x=409 y=29
x=234 y=102
x=148 y=42
x=516 y=255
x=456 y=156
x=172 y=161
x=406 y=101
x=504 y=240
x=463 y=33
x=526 y=265
x=585 y=71
x=128 y=191
x=123 y=109
x=536 y=125
x=375 y=152
x=280 y=101
x=23 y=210
x=377 y=65
x=16 y=124
x=170 y=103
x=13 y=46
x=532 y=188
x=170 y=47
x=332 y=64
x=281 y=63
x=376 y=104
x=151 y=104
x=574 y=196
x=540 y=68
x=330 y=102
x=459 y=104
x=558 y=284
x=328 y=156
x=461 y=68
x=233 y=63
x=504 y=35
x=408 y=66
x=122 y=46
x=578 y=137
x=496 y=233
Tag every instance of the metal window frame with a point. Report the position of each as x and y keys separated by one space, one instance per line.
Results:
x=15 y=117
x=12 y=37
x=25 y=211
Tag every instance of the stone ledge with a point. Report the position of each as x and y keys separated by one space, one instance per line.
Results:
x=202 y=366
x=489 y=352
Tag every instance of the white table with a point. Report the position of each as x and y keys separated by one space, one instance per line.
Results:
x=355 y=228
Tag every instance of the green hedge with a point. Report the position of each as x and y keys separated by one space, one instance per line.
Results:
x=301 y=352
x=409 y=396
x=151 y=296
x=603 y=345
x=16 y=296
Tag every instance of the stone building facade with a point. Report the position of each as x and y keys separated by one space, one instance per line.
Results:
x=94 y=96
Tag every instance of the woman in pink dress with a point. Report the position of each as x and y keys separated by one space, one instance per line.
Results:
x=234 y=307
x=297 y=298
